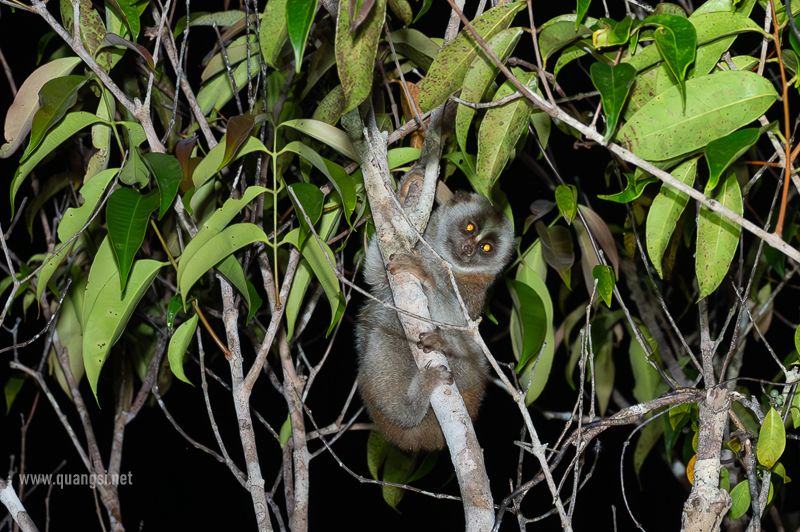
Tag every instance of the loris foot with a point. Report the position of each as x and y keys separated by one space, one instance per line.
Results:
x=433 y=375
x=410 y=263
x=433 y=341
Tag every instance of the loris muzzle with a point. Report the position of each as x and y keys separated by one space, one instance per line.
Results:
x=477 y=240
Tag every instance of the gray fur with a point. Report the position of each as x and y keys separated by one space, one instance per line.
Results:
x=395 y=392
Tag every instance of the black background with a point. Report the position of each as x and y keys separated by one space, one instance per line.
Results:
x=174 y=486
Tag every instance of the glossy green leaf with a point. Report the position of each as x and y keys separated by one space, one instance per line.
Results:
x=676 y=40
x=665 y=212
x=635 y=187
x=717 y=237
x=500 y=130
x=614 y=83
x=479 y=77
x=771 y=439
x=397 y=469
x=126 y=9
x=605 y=282
x=336 y=174
x=71 y=124
x=134 y=172
x=401 y=156
x=286 y=431
x=175 y=305
x=355 y=51
x=311 y=199
x=557 y=248
x=214 y=251
x=299 y=16
x=55 y=99
x=583 y=7
x=447 y=72
x=723 y=152
x=107 y=309
x=740 y=495
x=255 y=301
x=567 y=201
x=325 y=133
x=218 y=90
x=19 y=116
x=426 y=5
x=273 y=31
x=612 y=34
x=168 y=173
x=797 y=339
x=212 y=162
x=715 y=106
x=377 y=451
x=234 y=273
x=560 y=33
x=544 y=360
x=532 y=319
x=127 y=213
x=178 y=345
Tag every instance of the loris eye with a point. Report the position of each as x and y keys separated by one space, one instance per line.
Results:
x=470 y=227
x=486 y=247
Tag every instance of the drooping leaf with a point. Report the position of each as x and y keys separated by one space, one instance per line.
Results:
x=178 y=345
x=567 y=201
x=544 y=361
x=239 y=128
x=665 y=212
x=530 y=311
x=107 y=309
x=12 y=387
x=311 y=199
x=55 y=99
x=602 y=235
x=676 y=40
x=715 y=106
x=221 y=18
x=168 y=173
x=92 y=30
x=210 y=164
x=635 y=187
x=647 y=440
x=299 y=16
x=446 y=74
x=127 y=213
x=254 y=302
x=605 y=282
x=134 y=172
x=112 y=39
x=557 y=249
x=771 y=439
x=358 y=13
x=583 y=7
x=723 y=152
x=329 y=135
x=355 y=51
x=614 y=83
x=717 y=237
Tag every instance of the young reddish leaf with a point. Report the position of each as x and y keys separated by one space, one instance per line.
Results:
x=239 y=128
x=358 y=12
x=183 y=152
x=127 y=213
x=55 y=98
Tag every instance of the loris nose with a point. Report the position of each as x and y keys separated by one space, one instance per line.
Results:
x=468 y=249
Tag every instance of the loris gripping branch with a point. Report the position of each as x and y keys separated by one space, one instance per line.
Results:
x=477 y=240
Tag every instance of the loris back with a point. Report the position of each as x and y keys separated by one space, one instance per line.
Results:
x=477 y=240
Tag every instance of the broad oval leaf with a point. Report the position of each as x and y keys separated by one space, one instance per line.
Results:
x=355 y=51
x=544 y=361
x=740 y=495
x=557 y=249
x=106 y=309
x=605 y=282
x=168 y=173
x=716 y=105
x=614 y=83
x=717 y=237
x=127 y=213
x=676 y=40
x=447 y=72
x=567 y=201
x=771 y=439
x=532 y=318
x=20 y=115
x=665 y=212
x=178 y=345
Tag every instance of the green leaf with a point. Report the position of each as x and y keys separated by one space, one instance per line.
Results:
x=604 y=371
x=168 y=174
x=544 y=360
x=286 y=431
x=635 y=187
x=92 y=30
x=740 y=495
x=255 y=301
x=273 y=31
x=723 y=152
x=218 y=90
x=717 y=237
x=676 y=40
x=771 y=439
x=175 y=305
x=107 y=309
x=500 y=130
x=214 y=251
x=234 y=273
x=530 y=311
x=559 y=34
x=300 y=283
x=178 y=345
x=299 y=16
x=715 y=106
x=614 y=84
x=112 y=39
x=797 y=340
x=71 y=124
x=648 y=438
x=311 y=199
x=447 y=72
x=583 y=7
x=55 y=99
x=567 y=201
x=134 y=172
x=12 y=387
x=612 y=34
x=479 y=77
x=398 y=468
x=648 y=381
x=332 y=136
x=211 y=163
x=19 y=116
x=605 y=282
x=128 y=14
x=127 y=214
x=356 y=51
x=557 y=249
x=221 y=18
x=665 y=212
x=336 y=174
x=416 y=46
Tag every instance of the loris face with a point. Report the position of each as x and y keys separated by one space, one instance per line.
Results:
x=476 y=236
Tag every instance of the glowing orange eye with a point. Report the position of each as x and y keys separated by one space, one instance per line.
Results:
x=486 y=247
x=470 y=227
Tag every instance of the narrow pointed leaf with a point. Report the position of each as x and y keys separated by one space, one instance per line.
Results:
x=299 y=16
x=127 y=213
x=336 y=174
x=583 y=7
x=721 y=153
x=255 y=299
x=358 y=18
x=134 y=172
x=717 y=237
x=55 y=99
x=614 y=84
x=210 y=164
x=532 y=318
x=635 y=187
x=325 y=133
x=676 y=40
x=178 y=345
x=112 y=39
x=168 y=173
x=221 y=18
x=311 y=200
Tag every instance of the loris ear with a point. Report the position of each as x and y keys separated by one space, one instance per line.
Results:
x=443 y=193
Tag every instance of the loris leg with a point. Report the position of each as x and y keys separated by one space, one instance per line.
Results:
x=411 y=263
x=434 y=341
x=415 y=405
